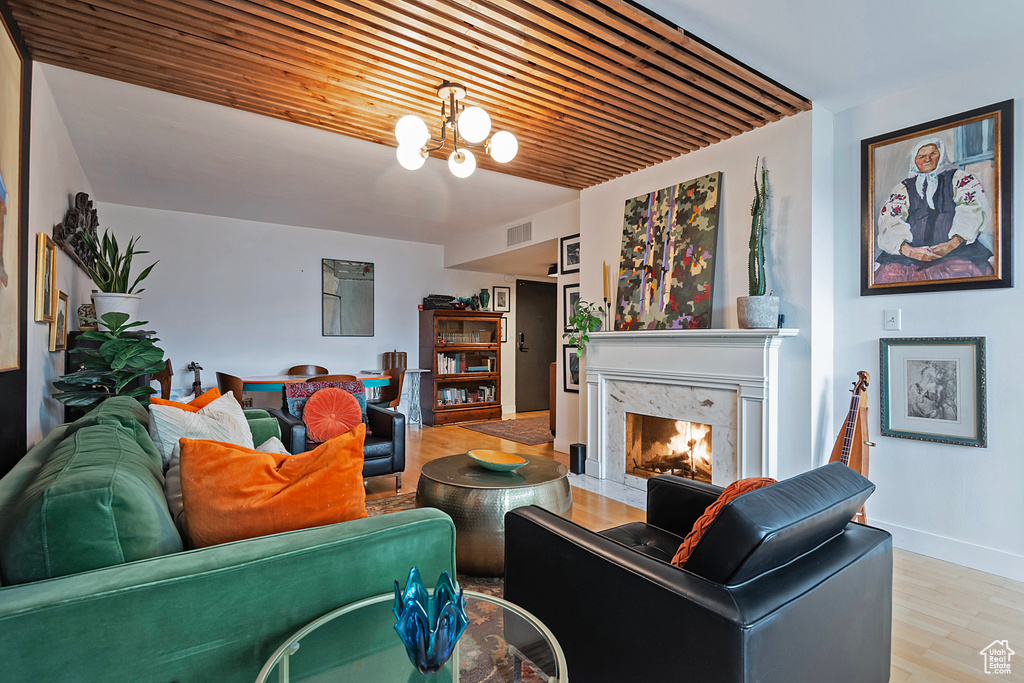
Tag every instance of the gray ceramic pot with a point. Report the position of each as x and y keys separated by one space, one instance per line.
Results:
x=757 y=311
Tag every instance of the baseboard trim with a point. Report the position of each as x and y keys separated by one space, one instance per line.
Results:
x=998 y=562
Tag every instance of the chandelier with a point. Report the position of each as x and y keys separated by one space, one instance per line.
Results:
x=469 y=128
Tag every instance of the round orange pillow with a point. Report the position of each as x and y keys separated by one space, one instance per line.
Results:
x=329 y=413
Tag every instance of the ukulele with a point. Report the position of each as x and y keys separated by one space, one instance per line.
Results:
x=852 y=443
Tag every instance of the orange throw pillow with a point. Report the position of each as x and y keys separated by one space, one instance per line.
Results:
x=192 y=406
x=733 y=490
x=230 y=492
x=329 y=413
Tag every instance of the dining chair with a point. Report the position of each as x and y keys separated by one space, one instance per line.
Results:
x=226 y=383
x=391 y=395
x=307 y=370
x=333 y=378
x=164 y=377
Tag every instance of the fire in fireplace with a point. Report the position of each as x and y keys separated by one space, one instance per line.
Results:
x=658 y=445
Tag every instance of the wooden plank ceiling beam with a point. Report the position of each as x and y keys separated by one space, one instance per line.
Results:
x=593 y=89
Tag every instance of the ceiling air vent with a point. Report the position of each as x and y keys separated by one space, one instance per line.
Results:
x=518 y=234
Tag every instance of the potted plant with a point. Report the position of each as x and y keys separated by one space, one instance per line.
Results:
x=122 y=357
x=111 y=274
x=582 y=322
x=759 y=309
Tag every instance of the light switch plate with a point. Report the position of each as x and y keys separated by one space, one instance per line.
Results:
x=891 y=319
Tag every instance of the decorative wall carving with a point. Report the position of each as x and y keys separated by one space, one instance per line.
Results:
x=81 y=218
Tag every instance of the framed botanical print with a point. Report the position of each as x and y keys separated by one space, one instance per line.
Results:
x=46 y=278
x=933 y=389
x=936 y=204
x=570 y=297
x=59 y=326
x=570 y=369
x=569 y=257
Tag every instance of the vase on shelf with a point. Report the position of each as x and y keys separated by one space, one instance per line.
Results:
x=485 y=299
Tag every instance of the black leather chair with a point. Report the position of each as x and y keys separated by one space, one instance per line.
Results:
x=782 y=587
x=383 y=449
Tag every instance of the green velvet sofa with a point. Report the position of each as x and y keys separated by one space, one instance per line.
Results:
x=125 y=602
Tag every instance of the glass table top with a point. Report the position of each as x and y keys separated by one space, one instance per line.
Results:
x=358 y=643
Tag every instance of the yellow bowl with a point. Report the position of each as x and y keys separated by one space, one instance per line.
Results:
x=499 y=461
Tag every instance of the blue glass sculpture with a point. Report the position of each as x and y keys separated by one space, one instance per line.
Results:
x=429 y=627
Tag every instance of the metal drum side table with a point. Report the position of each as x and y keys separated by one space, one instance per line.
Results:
x=477 y=500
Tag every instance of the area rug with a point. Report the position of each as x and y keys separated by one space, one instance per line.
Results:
x=483 y=654
x=529 y=431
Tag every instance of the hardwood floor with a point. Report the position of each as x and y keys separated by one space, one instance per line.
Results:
x=943 y=614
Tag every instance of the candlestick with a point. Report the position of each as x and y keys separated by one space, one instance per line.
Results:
x=604 y=279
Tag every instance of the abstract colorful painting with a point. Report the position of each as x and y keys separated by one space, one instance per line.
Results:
x=11 y=85
x=669 y=249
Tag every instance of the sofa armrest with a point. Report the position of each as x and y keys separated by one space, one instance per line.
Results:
x=675 y=503
x=214 y=614
x=293 y=430
x=389 y=424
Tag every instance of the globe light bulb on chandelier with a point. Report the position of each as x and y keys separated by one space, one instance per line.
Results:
x=469 y=127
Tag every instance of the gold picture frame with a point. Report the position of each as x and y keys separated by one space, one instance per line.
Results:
x=46 y=278
x=59 y=326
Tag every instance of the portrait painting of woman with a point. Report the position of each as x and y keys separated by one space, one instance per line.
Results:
x=935 y=211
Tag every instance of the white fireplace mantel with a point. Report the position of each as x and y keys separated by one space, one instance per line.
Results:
x=659 y=368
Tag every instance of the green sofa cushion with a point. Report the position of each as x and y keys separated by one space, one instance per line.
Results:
x=97 y=501
x=262 y=425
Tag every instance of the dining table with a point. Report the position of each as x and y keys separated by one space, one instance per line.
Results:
x=277 y=382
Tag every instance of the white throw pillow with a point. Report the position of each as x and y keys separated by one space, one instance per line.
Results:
x=221 y=420
x=273 y=445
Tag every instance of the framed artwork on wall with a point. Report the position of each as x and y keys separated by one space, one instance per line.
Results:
x=668 y=255
x=347 y=293
x=569 y=258
x=504 y=329
x=46 y=278
x=936 y=204
x=59 y=326
x=570 y=297
x=12 y=122
x=501 y=299
x=933 y=389
x=570 y=369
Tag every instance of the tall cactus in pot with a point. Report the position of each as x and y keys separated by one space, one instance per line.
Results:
x=755 y=262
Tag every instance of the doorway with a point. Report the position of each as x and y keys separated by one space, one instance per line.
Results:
x=536 y=320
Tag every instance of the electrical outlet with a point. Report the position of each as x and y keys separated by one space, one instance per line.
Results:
x=891 y=319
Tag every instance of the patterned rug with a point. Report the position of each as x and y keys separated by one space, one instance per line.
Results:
x=530 y=431
x=483 y=654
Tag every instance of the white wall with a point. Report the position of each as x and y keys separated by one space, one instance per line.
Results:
x=957 y=503
x=786 y=147
x=244 y=297
x=56 y=175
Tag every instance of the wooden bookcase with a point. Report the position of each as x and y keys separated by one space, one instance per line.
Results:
x=462 y=352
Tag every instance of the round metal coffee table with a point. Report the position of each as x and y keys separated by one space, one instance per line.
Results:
x=477 y=499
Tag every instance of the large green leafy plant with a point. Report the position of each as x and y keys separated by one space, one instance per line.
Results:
x=755 y=262
x=112 y=271
x=582 y=322
x=123 y=356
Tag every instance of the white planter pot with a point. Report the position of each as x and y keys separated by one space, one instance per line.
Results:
x=757 y=312
x=116 y=303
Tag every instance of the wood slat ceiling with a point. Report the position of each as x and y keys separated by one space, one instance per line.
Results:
x=593 y=89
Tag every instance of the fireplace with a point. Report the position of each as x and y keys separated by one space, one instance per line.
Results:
x=658 y=445
x=724 y=381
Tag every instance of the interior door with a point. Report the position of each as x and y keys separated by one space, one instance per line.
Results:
x=536 y=347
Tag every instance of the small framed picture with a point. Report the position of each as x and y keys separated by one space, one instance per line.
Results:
x=569 y=259
x=570 y=297
x=500 y=297
x=570 y=369
x=933 y=389
x=936 y=204
x=504 y=329
x=59 y=326
x=46 y=278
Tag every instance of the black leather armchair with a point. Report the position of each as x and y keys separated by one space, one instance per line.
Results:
x=782 y=588
x=383 y=450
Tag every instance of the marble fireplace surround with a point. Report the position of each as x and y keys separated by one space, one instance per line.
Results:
x=725 y=378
